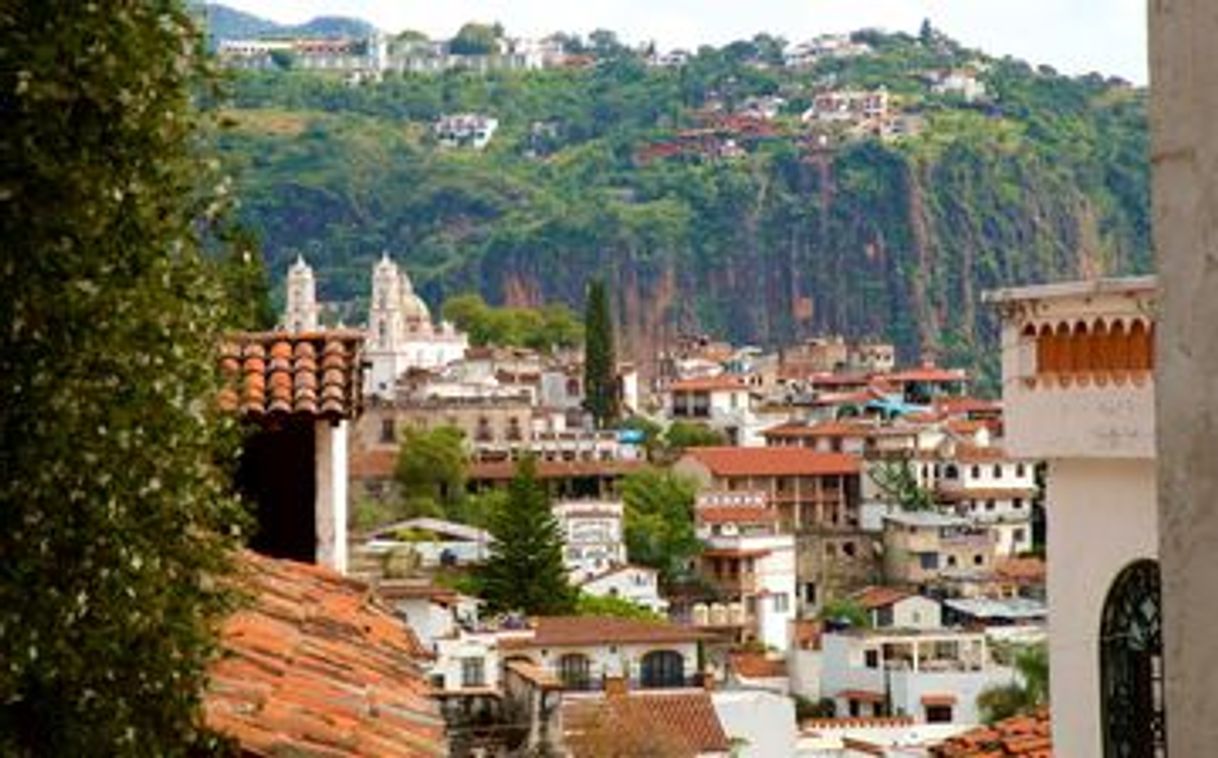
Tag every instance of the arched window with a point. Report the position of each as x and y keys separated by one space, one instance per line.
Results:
x=575 y=671
x=951 y=472
x=1131 y=665
x=663 y=668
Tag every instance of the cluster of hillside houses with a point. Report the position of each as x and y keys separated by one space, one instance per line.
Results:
x=872 y=534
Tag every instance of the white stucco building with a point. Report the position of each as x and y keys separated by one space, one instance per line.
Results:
x=401 y=333
x=638 y=584
x=752 y=563
x=302 y=311
x=1079 y=392
x=932 y=675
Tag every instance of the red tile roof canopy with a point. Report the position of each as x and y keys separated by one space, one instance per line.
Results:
x=773 y=461
x=270 y=374
x=316 y=665
x=1024 y=736
x=684 y=721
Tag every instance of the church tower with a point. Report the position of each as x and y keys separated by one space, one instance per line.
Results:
x=401 y=334
x=301 y=313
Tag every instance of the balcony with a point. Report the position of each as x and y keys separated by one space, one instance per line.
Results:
x=1078 y=369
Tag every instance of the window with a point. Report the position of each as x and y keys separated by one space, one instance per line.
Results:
x=928 y=561
x=1019 y=469
x=975 y=472
x=663 y=668
x=871 y=659
x=780 y=602
x=978 y=559
x=810 y=593
x=1131 y=665
x=854 y=708
x=574 y=669
x=1017 y=503
x=989 y=505
x=1019 y=535
x=938 y=714
x=848 y=549
x=951 y=472
x=997 y=471
x=388 y=430
x=473 y=672
x=951 y=561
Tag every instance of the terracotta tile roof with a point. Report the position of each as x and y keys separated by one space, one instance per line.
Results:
x=965 y=405
x=928 y=374
x=757 y=665
x=1023 y=736
x=795 y=429
x=879 y=597
x=685 y=721
x=773 y=461
x=1022 y=569
x=505 y=470
x=735 y=514
x=966 y=427
x=806 y=633
x=559 y=631
x=317 y=666
x=372 y=464
x=535 y=675
x=709 y=384
x=855 y=722
x=283 y=373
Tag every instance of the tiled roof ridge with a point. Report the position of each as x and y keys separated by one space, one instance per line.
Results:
x=855 y=722
x=283 y=373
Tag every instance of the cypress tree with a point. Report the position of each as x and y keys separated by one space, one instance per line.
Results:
x=116 y=527
x=600 y=362
x=525 y=570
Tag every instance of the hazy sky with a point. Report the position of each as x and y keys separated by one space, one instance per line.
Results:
x=1075 y=36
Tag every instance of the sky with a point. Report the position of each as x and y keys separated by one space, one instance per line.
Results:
x=1073 y=36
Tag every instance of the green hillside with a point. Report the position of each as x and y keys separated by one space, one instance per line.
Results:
x=1045 y=179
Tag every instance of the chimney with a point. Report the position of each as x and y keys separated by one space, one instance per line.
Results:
x=616 y=686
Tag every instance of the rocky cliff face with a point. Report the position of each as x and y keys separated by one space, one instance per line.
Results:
x=869 y=241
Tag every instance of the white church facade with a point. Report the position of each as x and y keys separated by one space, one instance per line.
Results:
x=400 y=333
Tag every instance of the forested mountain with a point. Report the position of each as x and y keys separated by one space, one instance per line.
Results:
x=625 y=170
x=223 y=22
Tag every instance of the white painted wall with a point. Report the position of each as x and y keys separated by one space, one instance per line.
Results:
x=637 y=584
x=1102 y=515
x=330 y=498
x=763 y=721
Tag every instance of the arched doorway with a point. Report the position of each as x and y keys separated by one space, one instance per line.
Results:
x=663 y=668
x=1131 y=665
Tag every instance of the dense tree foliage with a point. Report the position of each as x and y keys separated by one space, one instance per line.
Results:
x=899 y=485
x=897 y=239
x=117 y=528
x=544 y=328
x=685 y=434
x=525 y=570
x=600 y=357
x=1029 y=693
x=619 y=607
x=659 y=525
x=432 y=465
x=846 y=610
